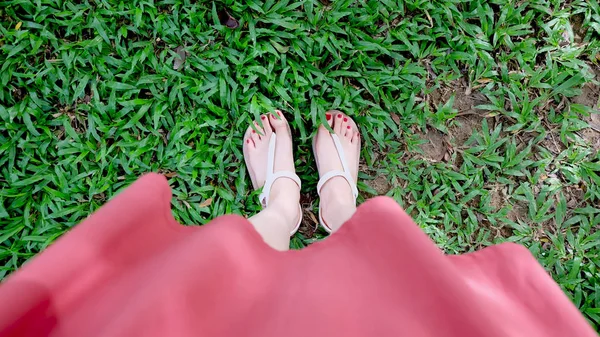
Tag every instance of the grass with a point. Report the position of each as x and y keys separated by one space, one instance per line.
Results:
x=475 y=115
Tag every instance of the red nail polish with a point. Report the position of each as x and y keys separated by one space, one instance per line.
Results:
x=263 y=117
x=339 y=115
x=253 y=131
x=279 y=112
x=248 y=141
x=348 y=126
x=345 y=119
x=328 y=116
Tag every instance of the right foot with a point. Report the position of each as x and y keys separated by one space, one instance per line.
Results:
x=285 y=193
x=337 y=201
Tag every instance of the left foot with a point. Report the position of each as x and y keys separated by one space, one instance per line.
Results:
x=285 y=193
x=337 y=200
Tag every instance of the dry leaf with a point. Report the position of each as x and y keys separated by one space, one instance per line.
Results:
x=206 y=202
x=429 y=18
x=18 y=26
x=228 y=20
x=170 y=174
x=566 y=38
x=395 y=117
x=312 y=216
x=180 y=58
x=447 y=157
x=232 y=23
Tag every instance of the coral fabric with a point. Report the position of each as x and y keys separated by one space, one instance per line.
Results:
x=131 y=270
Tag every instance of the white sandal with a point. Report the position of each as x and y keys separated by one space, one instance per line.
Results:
x=272 y=176
x=332 y=174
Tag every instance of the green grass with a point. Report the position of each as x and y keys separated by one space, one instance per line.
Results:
x=474 y=114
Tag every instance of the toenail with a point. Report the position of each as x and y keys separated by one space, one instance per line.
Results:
x=348 y=127
x=339 y=115
x=263 y=117
x=345 y=119
x=328 y=116
x=279 y=112
x=248 y=141
x=253 y=131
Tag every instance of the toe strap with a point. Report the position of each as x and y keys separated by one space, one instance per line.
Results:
x=345 y=173
x=272 y=176
x=264 y=196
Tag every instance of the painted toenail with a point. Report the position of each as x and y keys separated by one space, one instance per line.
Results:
x=339 y=116
x=263 y=117
x=328 y=116
x=348 y=127
x=248 y=141
x=279 y=112
x=253 y=131
x=345 y=119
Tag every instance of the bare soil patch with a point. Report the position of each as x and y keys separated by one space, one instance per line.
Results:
x=517 y=212
x=467 y=121
x=497 y=197
x=380 y=184
x=590 y=97
x=436 y=147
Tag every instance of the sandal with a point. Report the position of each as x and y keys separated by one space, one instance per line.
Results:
x=272 y=176
x=335 y=173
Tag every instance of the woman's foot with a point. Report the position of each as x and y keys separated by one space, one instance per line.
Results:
x=337 y=200
x=285 y=193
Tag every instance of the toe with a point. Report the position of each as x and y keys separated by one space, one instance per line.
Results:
x=248 y=140
x=259 y=130
x=322 y=131
x=349 y=132
x=265 y=125
x=255 y=136
x=277 y=121
x=355 y=138
x=337 y=124
x=329 y=118
x=351 y=128
x=344 y=127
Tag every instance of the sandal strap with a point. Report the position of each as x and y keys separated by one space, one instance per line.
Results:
x=332 y=174
x=272 y=175
x=344 y=174
x=264 y=196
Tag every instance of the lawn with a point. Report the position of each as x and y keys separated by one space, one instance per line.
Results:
x=476 y=116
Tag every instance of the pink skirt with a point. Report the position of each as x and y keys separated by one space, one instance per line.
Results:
x=131 y=270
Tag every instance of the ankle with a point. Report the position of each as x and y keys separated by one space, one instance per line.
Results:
x=338 y=192
x=285 y=194
x=283 y=201
x=335 y=214
x=288 y=213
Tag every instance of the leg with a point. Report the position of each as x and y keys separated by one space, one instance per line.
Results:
x=337 y=201
x=275 y=222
